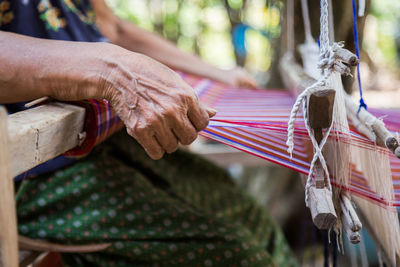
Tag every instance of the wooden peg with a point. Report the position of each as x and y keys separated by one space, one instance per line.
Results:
x=342 y=68
x=321 y=206
x=385 y=138
x=346 y=56
x=320 y=108
x=350 y=221
x=354 y=237
x=373 y=128
x=349 y=214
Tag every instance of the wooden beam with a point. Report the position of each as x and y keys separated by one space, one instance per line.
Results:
x=42 y=133
x=376 y=130
x=8 y=218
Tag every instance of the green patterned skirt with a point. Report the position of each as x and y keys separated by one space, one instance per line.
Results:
x=181 y=210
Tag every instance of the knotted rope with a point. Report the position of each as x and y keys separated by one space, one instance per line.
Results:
x=327 y=61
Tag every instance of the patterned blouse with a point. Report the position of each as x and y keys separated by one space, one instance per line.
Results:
x=72 y=20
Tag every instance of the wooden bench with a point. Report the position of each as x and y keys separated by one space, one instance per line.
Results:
x=27 y=139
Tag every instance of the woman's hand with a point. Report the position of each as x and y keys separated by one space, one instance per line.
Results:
x=238 y=77
x=159 y=109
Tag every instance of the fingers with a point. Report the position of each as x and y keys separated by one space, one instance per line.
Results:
x=198 y=116
x=148 y=141
x=211 y=112
x=184 y=131
x=167 y=139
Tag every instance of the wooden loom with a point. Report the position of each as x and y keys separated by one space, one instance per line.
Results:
x=321 y=203
x=332 y=60
x=29 y=132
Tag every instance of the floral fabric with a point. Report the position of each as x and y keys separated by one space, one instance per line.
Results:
x=72 y=20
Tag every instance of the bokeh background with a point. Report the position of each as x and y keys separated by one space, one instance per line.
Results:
x=251 y=33
x=226 y=33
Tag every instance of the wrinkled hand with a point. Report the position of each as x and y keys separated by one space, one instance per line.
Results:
x=238 y=77
x=159 y=109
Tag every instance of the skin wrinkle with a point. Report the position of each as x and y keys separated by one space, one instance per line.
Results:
x=157 y=106
x=152 y=100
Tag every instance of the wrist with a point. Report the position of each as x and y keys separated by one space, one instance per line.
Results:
x=74 y=72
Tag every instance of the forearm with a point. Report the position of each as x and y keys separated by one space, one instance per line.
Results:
x=32 y=68
x=157 y=107
x=135 y=39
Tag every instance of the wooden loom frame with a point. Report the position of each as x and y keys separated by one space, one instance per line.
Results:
x=295 y=77
x=27 y=139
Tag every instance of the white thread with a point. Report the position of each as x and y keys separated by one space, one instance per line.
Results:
x=293 y=114
x=324 y=31
x=361 y=8
x=306 y=20
x=331 y=24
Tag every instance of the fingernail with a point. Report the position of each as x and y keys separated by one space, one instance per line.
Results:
x=211 y=112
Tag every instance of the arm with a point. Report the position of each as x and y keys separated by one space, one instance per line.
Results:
x=127 y=35
x=138 y=88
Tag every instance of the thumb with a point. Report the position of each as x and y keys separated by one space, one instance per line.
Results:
x=211 y=112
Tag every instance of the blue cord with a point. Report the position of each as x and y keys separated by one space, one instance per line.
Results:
x=356 y=43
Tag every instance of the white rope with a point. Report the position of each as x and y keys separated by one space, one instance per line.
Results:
x=306 y=21
x=331 y=23
x=326 y=63
x=317 y=154
x=301 y=99
x=293 y=114
x=324 y=31
x=361 y=8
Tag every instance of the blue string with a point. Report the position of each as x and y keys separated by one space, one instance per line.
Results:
x=356 y=43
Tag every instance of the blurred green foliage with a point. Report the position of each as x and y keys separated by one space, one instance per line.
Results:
x=204 y=26
x=384 y=27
